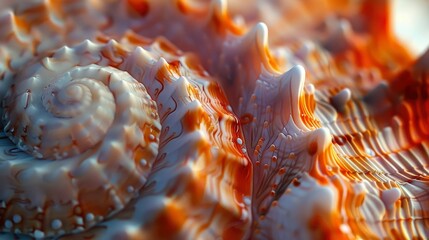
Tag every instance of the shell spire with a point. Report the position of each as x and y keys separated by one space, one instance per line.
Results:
x=160 y=119
x=50 y=120
x=180 y=150
x=188 y=159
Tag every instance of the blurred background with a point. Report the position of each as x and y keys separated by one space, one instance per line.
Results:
x=410 y=17
x=411 y=23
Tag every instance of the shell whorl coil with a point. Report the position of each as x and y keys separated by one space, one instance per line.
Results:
x=151 y=128
x=92 y=130
x=181 y=119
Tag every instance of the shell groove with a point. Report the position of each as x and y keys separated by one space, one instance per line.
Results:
x=85 y=128
x=185 y=144
x=174 y=119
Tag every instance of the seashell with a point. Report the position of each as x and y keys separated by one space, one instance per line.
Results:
x=134 y=161
x=144 y=119
x=85 y=129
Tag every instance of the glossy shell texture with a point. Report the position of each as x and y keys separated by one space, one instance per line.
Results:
x=173 y=119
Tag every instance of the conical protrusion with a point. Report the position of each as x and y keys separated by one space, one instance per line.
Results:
x=218 y=10
x=255 y=42
x=242 y=61
x=9 y=26
x=290 y=89
x=340 y=100
x=340 y=36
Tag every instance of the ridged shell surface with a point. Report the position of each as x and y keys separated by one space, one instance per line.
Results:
x=180 y=119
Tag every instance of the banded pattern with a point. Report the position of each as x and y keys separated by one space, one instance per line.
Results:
x=178 y=119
